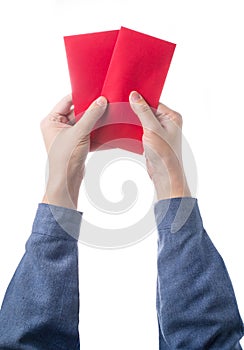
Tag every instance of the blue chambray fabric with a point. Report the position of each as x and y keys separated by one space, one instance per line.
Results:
x=41 y=305
x=196 y=305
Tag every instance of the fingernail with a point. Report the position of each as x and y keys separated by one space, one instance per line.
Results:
x=101 y=101
x=135 y=97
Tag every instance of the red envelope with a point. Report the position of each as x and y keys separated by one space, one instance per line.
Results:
x=88 y=58
x=113 y=64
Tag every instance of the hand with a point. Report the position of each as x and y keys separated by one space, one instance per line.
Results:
x=162 y=137
x=67 y=145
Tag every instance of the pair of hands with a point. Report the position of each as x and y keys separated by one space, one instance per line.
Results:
x=67 y=144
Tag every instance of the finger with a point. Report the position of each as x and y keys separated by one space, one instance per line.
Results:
x=71 y=117
x=63 y=107
x=91 y=116
x=58 y=118
x=166 y=116
x=144 y=112
x=164 y=110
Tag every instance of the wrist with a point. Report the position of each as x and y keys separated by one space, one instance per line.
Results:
x=61 y=194
x=172 y=184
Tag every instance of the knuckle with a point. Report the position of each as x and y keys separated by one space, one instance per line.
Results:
x=177 y=117
x=144 y=108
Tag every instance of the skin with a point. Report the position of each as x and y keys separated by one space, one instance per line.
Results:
x=67 y=144
x=162 y=142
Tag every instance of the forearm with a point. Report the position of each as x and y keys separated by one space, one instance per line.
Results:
x=195 y=300
x=40 y=309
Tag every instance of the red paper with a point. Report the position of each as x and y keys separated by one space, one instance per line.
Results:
x=113 y=64
x=88 y=57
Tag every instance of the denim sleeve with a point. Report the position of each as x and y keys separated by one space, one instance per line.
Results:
x=196 y=305
x=40 y=309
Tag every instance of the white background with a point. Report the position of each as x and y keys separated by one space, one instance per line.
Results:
x=205 y=84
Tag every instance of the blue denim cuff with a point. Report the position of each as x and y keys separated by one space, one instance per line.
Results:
x=57 y=221
x=175 y=214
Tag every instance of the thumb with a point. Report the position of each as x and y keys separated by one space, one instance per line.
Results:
x=94 y=112
x=143 y=111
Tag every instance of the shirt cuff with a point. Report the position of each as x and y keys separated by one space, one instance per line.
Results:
x=57 y=221
x=175 y=214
